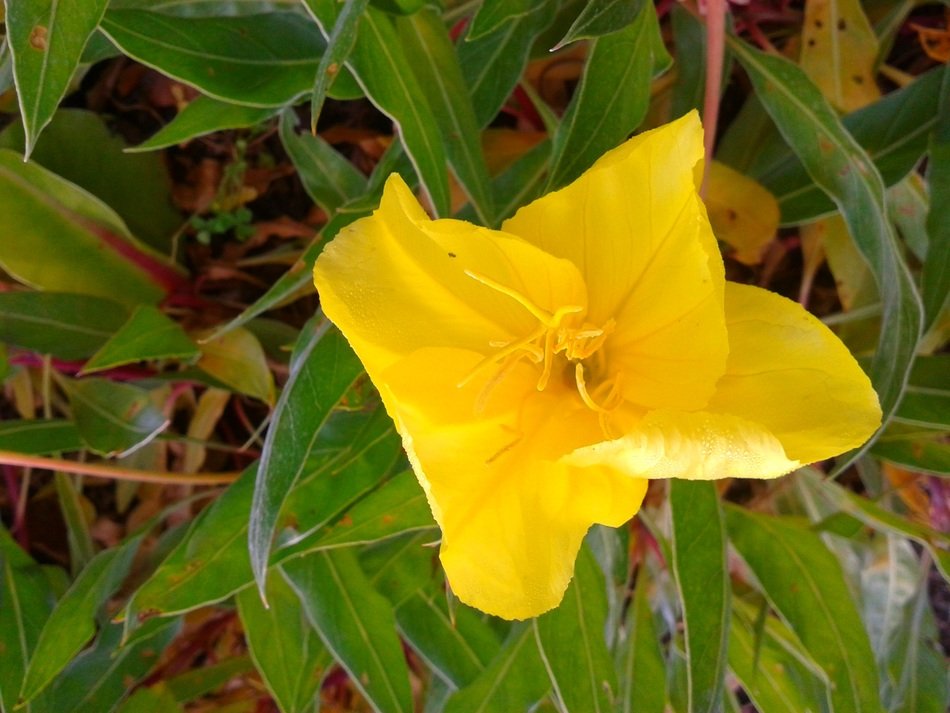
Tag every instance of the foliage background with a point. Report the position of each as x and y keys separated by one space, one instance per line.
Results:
x=169 y=385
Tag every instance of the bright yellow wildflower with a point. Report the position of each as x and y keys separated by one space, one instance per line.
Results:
x=540 y=374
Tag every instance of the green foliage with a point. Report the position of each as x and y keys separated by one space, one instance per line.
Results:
x=133 y=341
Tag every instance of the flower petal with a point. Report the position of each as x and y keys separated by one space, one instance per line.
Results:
x=790 y=373
x=635 y=227
x=693 y=445
x=398 y=281
x=512 y=514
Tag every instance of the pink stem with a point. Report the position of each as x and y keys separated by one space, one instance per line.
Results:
x=715 y=52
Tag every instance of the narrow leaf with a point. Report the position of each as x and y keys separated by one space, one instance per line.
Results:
x=493 y=62
x=329 y=178
x=356 y=623
x=148 y=334
x=26 y=600
x=601 y=17
x=432 y=56
x=286 y=649
x=572 y=645
x=112 y=417
x=266 y=60
x=322 y=370
x=38 y=437
x=642 y=669
x=58 y=237
x=100 y=677
x=340 y=43
x=68 y=326
x=804 y=583
x=46 y=39
x=936 y=275
x=844 y=171
x=515 y=680
x=383 y=70
x=699 y=561
x=73 y=622
x=203 y=115
x=611 y=100
x=457 y=650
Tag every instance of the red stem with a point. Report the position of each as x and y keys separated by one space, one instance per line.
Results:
x=715 y=52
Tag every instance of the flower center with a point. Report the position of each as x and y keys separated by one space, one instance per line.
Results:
x=562 y=343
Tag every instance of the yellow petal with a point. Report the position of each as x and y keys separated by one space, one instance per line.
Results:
x=694 y=445
x=398 y=281
x=789 y=372
x=634 y=226
x=512 y=513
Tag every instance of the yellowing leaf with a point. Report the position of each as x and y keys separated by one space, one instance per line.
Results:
x=854 y=280
x=237 y=359
x=744 y=215
x=839 y=49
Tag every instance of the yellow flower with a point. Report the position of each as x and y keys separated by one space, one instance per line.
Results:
x=540 y=374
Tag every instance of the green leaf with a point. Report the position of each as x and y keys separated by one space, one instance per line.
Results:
x=26 y=600
x=768 y=674
x=515 y=680
x=321 y=372
x=201 y=568
x=261 y=60
x=72 y=623
x=642 y=670
x=893 y=132
x=206 y=8
x=81 y=147
x=699 y=561
x=67 y=326
x=113 y=418
x=58 y=237
x=493 y=14
x=916 y=449
x=804 y=583
x=340 y=42
x=601 y=17
x=493 y=62
x=147 y=335
x=572 y=645
x=329 y=179
x=100 y=677
x=935 y=280
x=612 y=98
x=46 y=40
x=396 y=507
x=194 y=683
x=432 y=56
x=204 y=115
x=154 y=699
x=881 y=519
x=356 y=623
x=458 y=649
x=237 y=359
x=286 y=650
x=844 y=171
x=39 y=437
x=918 y=665
x=926 y=402
x=384 y=71
x=353 y=452
x=519 y=184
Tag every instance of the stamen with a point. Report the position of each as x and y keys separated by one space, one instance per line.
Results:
x=536 y=311
x=510 y=349
x=582 y=389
